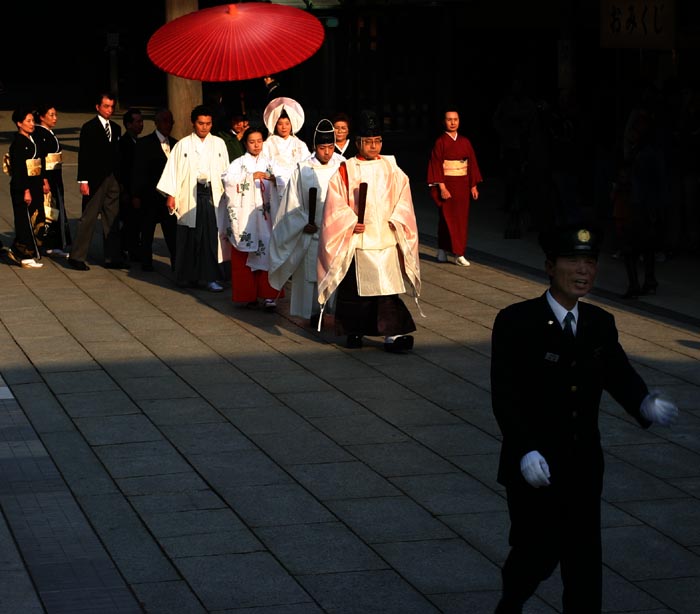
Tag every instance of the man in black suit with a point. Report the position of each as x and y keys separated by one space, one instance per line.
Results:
x=551 y=359
x=130 y=216
x=99 y=185
x=150 y=154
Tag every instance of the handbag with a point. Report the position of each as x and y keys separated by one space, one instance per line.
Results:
x=51 y=212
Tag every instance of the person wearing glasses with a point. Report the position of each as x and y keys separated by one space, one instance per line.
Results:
x=368 y=247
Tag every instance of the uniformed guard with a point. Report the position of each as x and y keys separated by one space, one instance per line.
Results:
x=552 y=357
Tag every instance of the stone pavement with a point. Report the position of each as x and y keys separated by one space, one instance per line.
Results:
x=164 y=451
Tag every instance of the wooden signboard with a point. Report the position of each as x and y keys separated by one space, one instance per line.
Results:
x=643 y=24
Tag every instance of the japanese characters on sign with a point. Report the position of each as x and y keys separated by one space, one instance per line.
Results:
x=637 y=23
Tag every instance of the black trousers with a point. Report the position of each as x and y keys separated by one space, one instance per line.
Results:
x=152 y=215
x=558 y=524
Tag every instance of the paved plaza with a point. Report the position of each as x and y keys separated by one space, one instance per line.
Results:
x=165 y=451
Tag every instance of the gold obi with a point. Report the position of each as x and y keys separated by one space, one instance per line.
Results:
x=54 y=161
x=34 y=167
x=455 y=168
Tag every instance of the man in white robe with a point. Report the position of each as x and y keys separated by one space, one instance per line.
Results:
x=370 y=256
x=191 y=181
x=294 y=243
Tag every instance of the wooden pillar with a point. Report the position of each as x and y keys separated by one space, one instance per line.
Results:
x=183 y=94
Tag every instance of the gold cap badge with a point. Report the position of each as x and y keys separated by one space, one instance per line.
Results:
x=583 y=236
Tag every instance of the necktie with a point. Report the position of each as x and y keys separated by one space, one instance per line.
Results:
x=568 y=326
x=108 y=132
x=166 y=147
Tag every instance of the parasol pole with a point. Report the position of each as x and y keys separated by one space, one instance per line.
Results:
x=362 y=202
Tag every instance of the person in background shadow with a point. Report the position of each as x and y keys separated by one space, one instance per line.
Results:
x=191 y=181
x=551 y=359
x=150 y=155
x=98 y=166
x=273 y=87
x=641 y=197
x=58 y=238
x=233 y=136
x=511 y=119
x=130 y=215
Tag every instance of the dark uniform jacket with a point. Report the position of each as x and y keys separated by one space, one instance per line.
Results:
x=546 y=391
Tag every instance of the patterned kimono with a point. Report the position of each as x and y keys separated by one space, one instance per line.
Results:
x=247 y=203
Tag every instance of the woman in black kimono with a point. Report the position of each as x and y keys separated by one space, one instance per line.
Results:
x=26 y=191
x=56 y=240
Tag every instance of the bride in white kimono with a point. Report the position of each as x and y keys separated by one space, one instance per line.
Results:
x=248 y=185
x=283 y=117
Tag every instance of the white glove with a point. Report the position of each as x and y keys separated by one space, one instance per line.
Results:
x=535 y=469
x=659 y=410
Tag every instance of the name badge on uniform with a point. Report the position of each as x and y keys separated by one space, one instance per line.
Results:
x=551 y=357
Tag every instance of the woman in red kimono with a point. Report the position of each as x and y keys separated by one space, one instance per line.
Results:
x=453 y=175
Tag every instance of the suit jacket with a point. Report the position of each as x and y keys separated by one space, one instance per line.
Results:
x=97 y=156
x=546 y=390
x=149 y=161
x=126 y=151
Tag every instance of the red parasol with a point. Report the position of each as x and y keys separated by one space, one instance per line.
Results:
x=235 y=42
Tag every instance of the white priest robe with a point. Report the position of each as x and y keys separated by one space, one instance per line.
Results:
x=293 y=253
x=385 y=259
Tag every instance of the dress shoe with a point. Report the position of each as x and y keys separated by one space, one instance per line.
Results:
x=399 y=345
x=119 y=264
x=78 y=265
x=212 y=286
x=30 y=263
x=462 y=261
x=269 y=305
x=353 y=342
x=441 y=255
